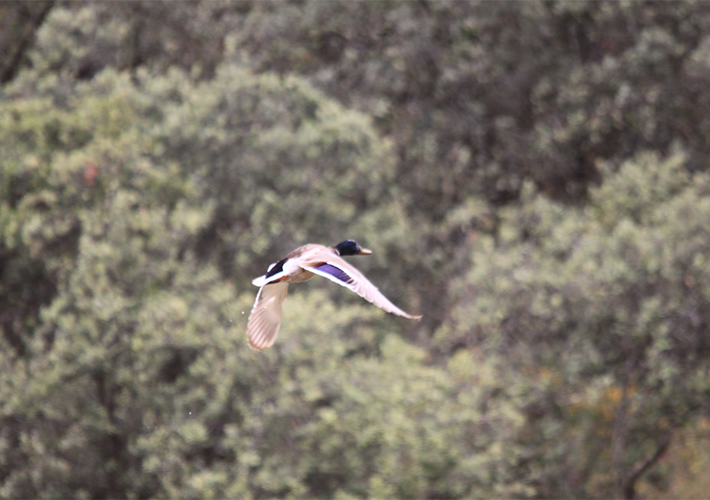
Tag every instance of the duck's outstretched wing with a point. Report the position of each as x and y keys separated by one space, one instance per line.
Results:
x=265 y=318
x=336 y=269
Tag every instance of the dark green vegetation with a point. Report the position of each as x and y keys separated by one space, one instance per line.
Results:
x=533 y=177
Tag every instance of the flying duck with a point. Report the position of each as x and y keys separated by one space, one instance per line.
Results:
x=301 y=265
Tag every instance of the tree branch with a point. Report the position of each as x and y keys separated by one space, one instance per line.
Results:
x=20 y=22
x=629 y=485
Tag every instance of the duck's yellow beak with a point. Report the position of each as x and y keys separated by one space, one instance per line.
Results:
x=365 y=251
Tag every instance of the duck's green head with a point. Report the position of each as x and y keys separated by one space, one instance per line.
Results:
x=351 y=247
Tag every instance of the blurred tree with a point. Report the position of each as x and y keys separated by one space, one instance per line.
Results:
x=126 y=374
x=476 y=97
x=480 y=96
x=81 y=38
x=467 y=88
x=606 y=308
x=568 y=359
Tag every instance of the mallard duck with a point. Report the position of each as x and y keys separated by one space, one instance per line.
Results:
x=301 y=265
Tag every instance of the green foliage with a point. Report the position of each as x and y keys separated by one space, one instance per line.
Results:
x=131 y=377
x=532 y=178
x=605 y=308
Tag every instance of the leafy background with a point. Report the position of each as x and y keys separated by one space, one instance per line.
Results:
x=532 y=177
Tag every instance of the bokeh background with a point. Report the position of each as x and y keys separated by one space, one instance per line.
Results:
x=533 y=177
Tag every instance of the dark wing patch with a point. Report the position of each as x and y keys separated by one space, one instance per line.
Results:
x=335 y=272
x=276 y=268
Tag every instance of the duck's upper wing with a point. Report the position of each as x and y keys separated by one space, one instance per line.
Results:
x=265 y=318
x=331 y=266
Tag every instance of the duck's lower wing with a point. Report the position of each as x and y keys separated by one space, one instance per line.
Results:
x=342 y=273
x=265 y=318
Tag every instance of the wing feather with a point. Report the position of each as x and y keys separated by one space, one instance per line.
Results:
x=337 y=270
x=265 y=318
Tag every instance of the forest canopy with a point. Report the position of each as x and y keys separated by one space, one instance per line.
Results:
x=532 y=177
